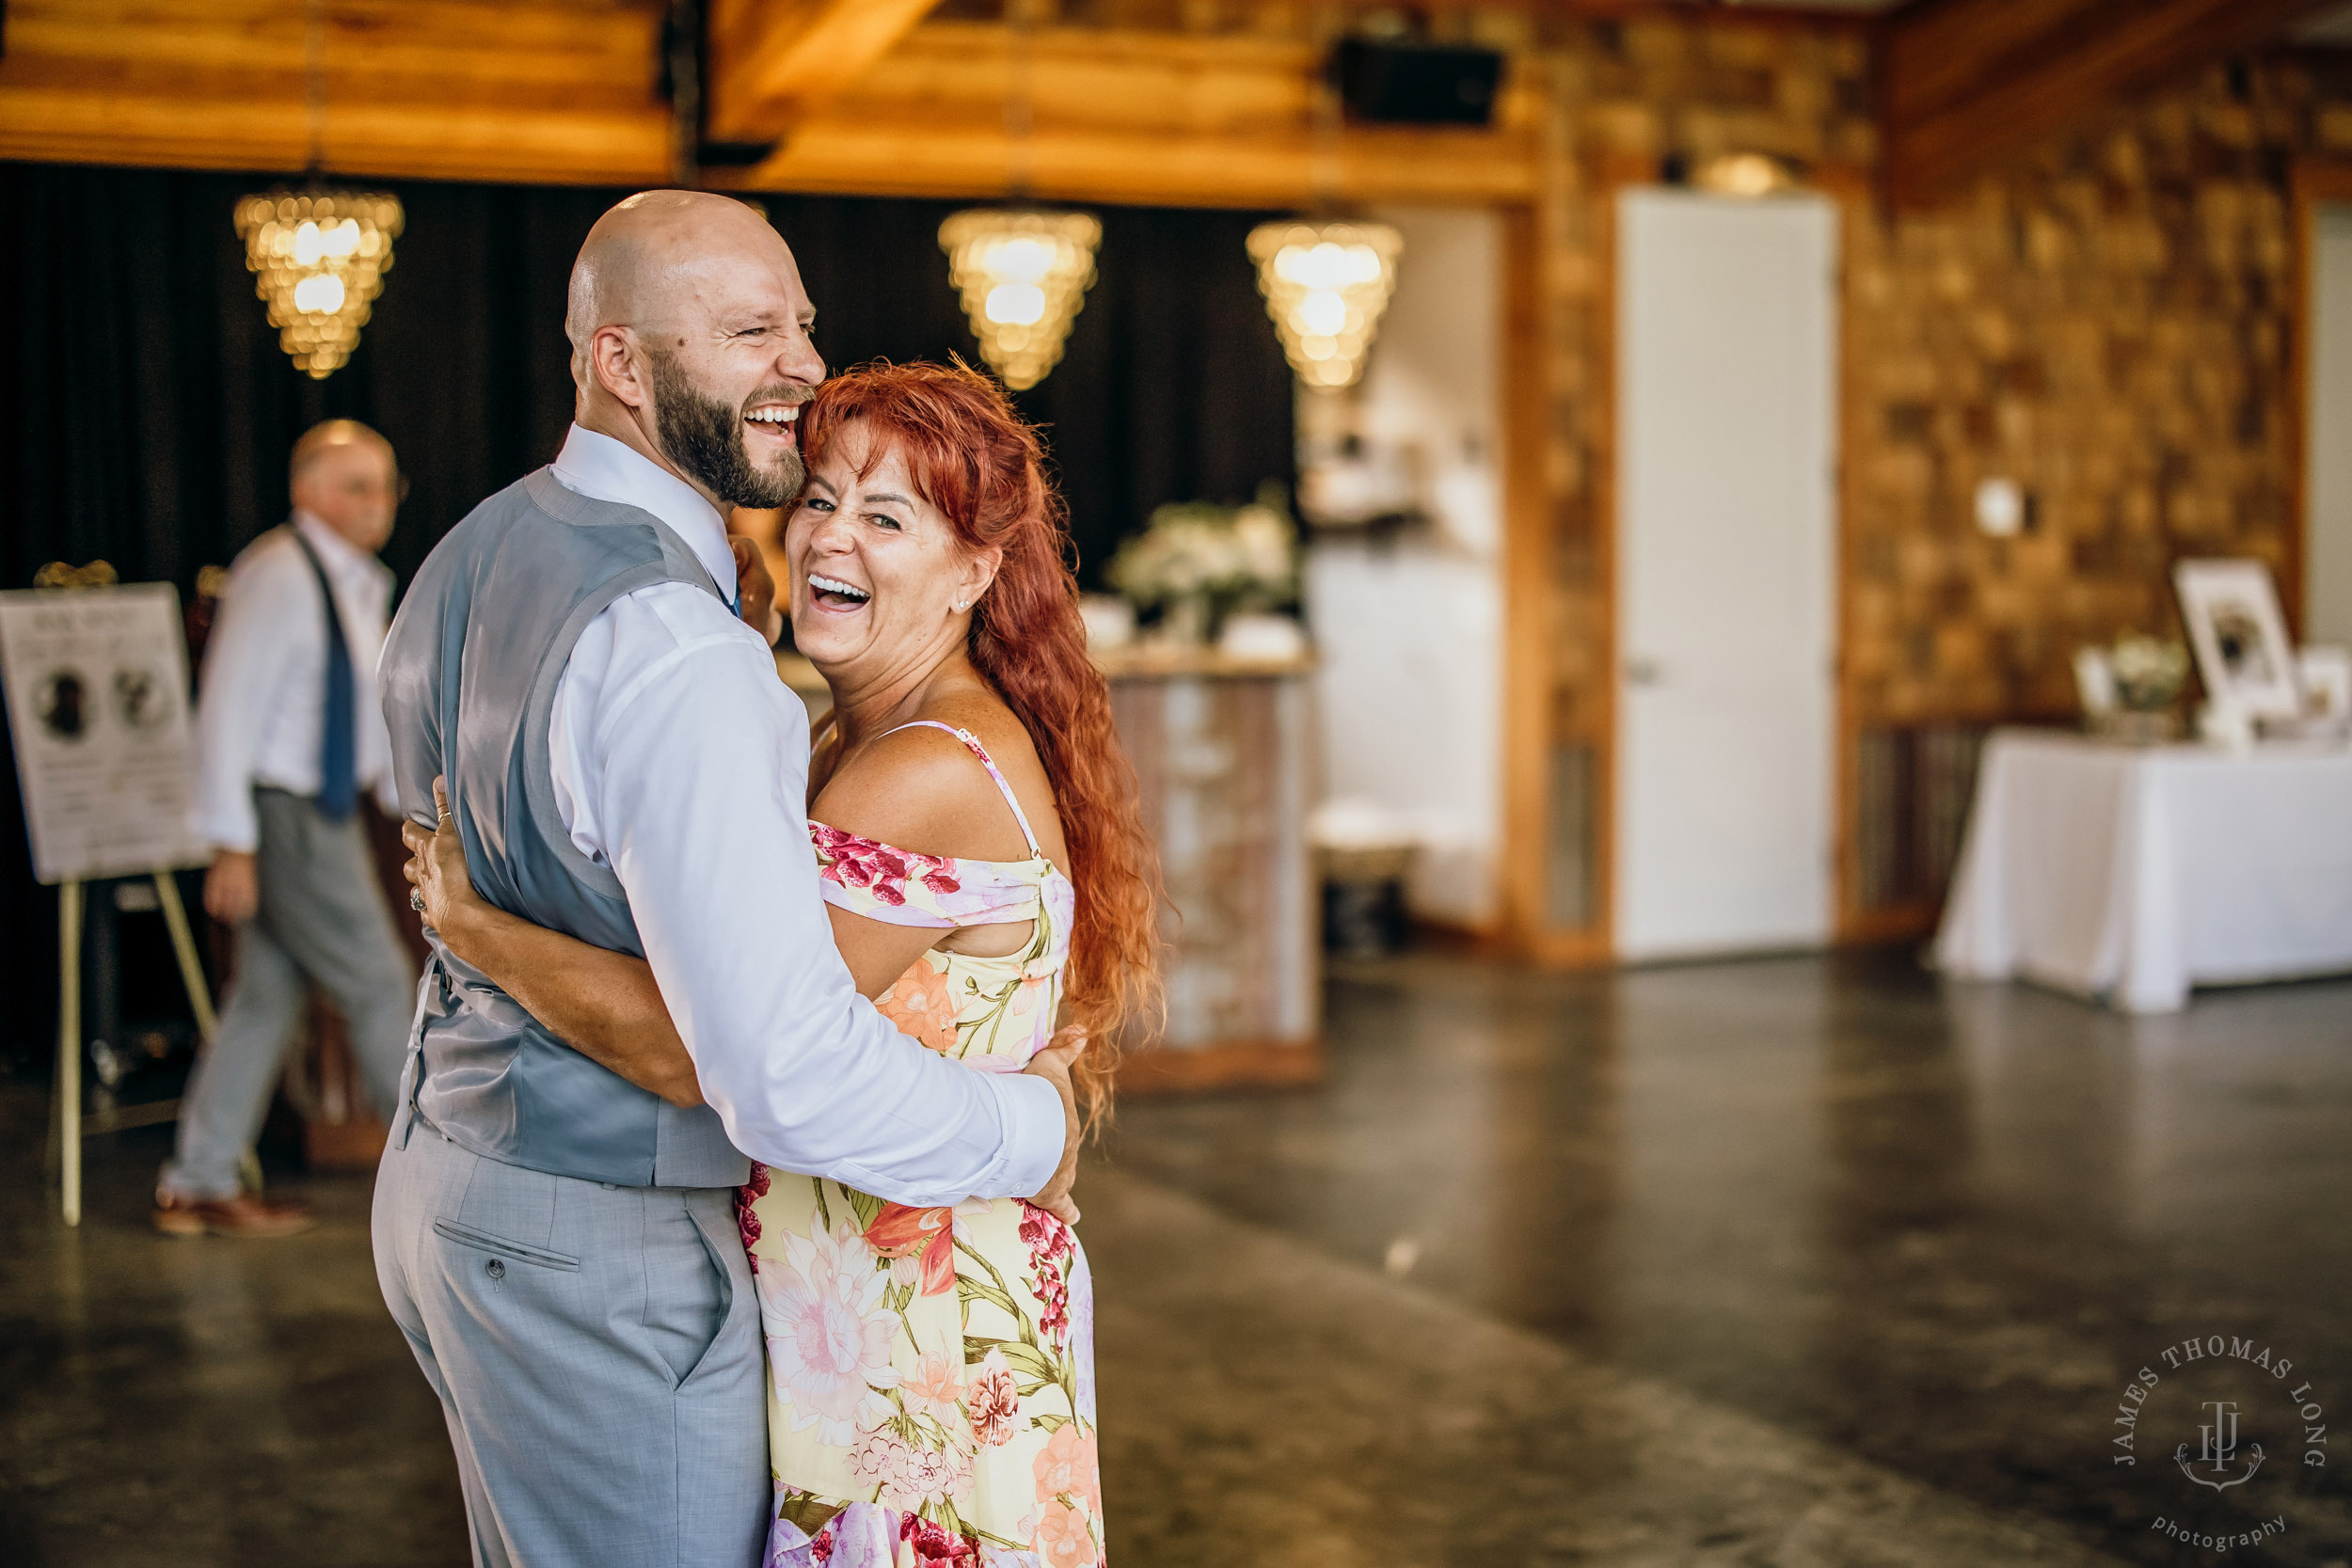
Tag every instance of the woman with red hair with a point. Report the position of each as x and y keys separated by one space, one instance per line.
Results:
x=930 y=1370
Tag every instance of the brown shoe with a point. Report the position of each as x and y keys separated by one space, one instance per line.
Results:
x=241 y=1215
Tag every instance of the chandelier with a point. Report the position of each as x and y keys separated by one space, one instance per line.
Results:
x=318 y=257
x=1023 y=274
x=1326 y=285
x=318 y=260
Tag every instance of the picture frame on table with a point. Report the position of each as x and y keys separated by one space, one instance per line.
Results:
x=2231 y=607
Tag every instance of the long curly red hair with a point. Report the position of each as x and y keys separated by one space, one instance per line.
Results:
x=983 y=467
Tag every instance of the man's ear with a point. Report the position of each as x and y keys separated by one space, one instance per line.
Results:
x=612 y=361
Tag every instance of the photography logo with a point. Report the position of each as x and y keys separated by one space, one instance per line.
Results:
x=2219 y=1449
x=2207 y=1411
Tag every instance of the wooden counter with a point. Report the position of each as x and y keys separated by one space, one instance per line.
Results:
x=1223 y=753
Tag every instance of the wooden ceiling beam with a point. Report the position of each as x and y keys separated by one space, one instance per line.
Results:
x=1185 y=171
x=1963 y=83
x=377 y=142
x=771 y=62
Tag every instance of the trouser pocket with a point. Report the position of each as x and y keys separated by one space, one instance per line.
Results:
x=690 y=1291
x=498 y=1246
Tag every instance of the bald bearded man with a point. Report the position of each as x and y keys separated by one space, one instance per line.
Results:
x=559 y=1245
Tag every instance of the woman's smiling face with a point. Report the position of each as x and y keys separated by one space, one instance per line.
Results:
x=878 y=578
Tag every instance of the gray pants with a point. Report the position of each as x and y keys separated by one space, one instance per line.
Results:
x=322 y=919
x=597 y=1354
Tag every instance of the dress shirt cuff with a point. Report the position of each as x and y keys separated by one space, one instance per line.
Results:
x=1034 y=1129
x=221 y=830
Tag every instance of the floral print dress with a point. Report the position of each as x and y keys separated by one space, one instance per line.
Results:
x=930 y=1389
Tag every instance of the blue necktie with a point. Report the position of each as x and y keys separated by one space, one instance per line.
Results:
x=339 y=771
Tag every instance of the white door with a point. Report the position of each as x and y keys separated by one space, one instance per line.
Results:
x=1726 y=392
x=2328 y=441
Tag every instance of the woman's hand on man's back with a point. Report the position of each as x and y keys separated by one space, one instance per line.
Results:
x=1053 y=1065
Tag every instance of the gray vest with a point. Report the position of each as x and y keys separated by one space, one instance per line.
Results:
x=468 y=679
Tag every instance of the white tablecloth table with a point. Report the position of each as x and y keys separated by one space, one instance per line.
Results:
x=2133 y=873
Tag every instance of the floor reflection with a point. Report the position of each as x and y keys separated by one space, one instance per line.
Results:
x=1936 y=1226
x=174 y=1402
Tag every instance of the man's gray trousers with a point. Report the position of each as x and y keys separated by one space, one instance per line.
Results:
x=321 y=920
x=597 y=1351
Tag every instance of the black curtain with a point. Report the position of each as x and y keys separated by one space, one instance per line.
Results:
x=146 y=410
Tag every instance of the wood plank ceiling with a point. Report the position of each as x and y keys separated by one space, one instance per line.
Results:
x=1963 y=83
x=881 y=96
x=773 y=63
x=554 y=91
x=572 y=91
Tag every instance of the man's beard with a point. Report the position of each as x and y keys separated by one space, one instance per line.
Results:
x=704 y=438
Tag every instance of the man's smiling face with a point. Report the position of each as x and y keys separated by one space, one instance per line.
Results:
x=730 y=372
x=690 y=331
x=746 y=455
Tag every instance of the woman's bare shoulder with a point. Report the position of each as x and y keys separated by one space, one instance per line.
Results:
x=999 y=730
x=992 y=722
x=921 y=788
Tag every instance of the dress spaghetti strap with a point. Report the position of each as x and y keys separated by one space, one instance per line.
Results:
x=988 y=762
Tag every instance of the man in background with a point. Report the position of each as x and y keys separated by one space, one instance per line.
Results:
x=288 y=733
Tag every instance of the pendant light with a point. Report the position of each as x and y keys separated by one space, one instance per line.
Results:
x=1023 y=271
x=1326 y=286
x=318 y=256
x=1327 y=279
x=1023 y=274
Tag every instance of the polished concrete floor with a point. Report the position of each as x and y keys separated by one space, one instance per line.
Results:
x=1794 y=1262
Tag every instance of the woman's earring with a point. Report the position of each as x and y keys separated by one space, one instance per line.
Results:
x=959 y=607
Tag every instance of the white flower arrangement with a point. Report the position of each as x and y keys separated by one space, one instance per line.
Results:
x=2149 y=674
x=1230 y=557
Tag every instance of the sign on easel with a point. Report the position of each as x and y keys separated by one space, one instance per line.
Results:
x=97 y=683
x=98 y=709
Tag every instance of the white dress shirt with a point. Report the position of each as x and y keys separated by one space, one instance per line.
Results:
x=263 y=699
x=681 y=761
